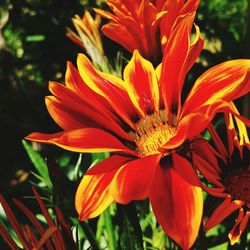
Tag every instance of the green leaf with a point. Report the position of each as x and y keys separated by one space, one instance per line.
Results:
x=39 y=163
x=97 y=157
x=222 y=246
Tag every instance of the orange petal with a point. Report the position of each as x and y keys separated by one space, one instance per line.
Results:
x=239 y=227
x=110 y=90
x=92 y=196
x=195 y=49
x=141 y=84
x=87 y=140
x=177 y=206
x=224 y=82
x=71 y=112
x=190 y=6
x=222 y=211
x=168 y=22
x=106 y=14
x=184 y=169
x=174 y=64
x=189 y=126
x=75 y=83
x=133 y=180
x=119 y=34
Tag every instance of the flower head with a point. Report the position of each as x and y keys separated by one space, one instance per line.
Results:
x=143 y=122
x=88 y=37
x=230 y=177
x=144 y=25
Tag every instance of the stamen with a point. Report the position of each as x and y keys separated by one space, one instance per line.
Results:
x=152 y=132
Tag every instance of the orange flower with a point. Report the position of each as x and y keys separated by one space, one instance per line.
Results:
x=89 y=38
x=230 y=178
x=144 y=25
x=141 y=120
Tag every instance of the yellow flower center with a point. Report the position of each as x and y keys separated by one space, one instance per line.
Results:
x=152 y=132
x=237 y=184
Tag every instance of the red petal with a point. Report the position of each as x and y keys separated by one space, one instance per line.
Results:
x=190 y=6
x=189 y=126
x=133 y=180
x=209 y=172
x=184 y=169
x=85 y=140
x=92 y=196
x=224 y=82
x=239 y=227
x=119 y=34
x=109 y=87
x=72 y=112
x=75 y=82
x=174 y=64
x=222 y=211
x=141 y=84
x=177 y=206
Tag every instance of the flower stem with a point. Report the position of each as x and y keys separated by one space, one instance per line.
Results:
x=130 y=230
x=90 y=236
x=110 y=229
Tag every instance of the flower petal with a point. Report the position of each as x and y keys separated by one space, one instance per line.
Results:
x=222 y=211
x=209 y=171
x=174 y=64
x=92 y=196
x=119 y=34
x=226 y=81
x=133 y=180
x=184 y=169
x=73 y=112
x=189 y=126
x=177 y=206
x=141 y=84
x=110 y=90
x=87 y=140
x=239 y=227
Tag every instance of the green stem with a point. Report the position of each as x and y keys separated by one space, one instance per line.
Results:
x=90 y=236
x=130 y=230
x=110 y=229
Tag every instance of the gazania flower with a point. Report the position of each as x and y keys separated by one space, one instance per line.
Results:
x=142 y=121
x=230 y=178
x=88 y=37
x=144 y=25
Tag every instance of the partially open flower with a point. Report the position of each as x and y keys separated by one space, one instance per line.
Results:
x=230 y=178
x=143 y=122
x=144 y=25
x=89 y=38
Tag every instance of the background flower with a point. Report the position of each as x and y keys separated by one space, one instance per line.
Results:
x=229 y=177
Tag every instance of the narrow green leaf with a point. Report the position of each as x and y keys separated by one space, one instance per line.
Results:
x=39 y=163
x=110 y=230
